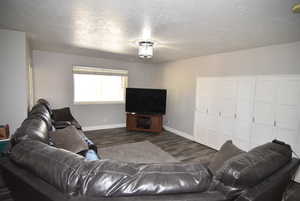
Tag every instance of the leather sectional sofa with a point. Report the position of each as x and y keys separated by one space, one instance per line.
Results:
x=35 y=170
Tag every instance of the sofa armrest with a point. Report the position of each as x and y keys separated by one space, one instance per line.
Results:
x=273 y=187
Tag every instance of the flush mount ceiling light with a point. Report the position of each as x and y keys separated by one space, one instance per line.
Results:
x=145 y=49
x=296 y=8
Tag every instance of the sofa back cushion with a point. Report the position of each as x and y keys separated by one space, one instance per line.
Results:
x=248 y=169
x=32 y=128
x=72 y=174
x=70 y=139
x=227 y=151
x=62 y=114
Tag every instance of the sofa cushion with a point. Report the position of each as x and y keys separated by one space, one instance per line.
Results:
x=72 y=174
x=32 y=128
x=70 y=139
x=248 y=169
x=227 y=151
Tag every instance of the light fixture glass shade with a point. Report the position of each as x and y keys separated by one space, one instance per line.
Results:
x=296 y=8
x=145 y=49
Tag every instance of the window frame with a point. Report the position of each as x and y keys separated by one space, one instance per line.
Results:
x=76 y=69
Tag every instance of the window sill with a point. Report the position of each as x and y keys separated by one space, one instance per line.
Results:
x=99 y=103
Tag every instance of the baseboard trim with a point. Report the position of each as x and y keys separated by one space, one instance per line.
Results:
x=100 y=127
x=180 y=133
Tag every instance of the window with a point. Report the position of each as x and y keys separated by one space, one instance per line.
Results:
x=98 y=85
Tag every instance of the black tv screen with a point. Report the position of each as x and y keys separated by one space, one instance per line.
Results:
x=146 y=101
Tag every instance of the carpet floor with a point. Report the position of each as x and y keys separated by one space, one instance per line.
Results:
x=180 y=148
x=138 y=152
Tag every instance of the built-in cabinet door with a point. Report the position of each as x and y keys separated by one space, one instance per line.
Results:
x=287 y=114
x=244 y=112
x=227 y=99
x=213 y=114
x=264 y=111
x=203 y=93
x=249 y=110
x=202 y=100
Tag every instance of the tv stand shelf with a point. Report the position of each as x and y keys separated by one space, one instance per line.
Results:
x=144 y=122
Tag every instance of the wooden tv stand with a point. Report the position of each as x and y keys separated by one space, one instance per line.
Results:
x=144 y=122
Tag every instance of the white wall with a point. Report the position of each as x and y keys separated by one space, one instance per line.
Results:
x=53 y=81
x=13 y=78
x=179 y=77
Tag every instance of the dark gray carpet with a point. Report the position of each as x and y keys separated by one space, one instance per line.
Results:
x=138 y=152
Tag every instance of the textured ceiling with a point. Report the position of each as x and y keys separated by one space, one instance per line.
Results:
x=181 y=28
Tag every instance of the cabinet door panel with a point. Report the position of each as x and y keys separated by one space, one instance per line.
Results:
x=287 y=109
x=228 y=94
x=242 y=144
x=289 y=136
x=265 y=90
x=287 y=117
x=228 y=108
x=213 y=139
x=244 y=112
x=202 y=104
x=264 y=113
x=288 y=112
x=289 y=92
x=246 y=88
x=227 y=126
x=243 y=130
x=262 y=134
x=214 y=97
x=213 y=123
x=200 y=127
x=202 y=94
x=228 y=87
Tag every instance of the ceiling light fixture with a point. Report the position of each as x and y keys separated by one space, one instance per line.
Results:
x=296 y=8
x=146 y=49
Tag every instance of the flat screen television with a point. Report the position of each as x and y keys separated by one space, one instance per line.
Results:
x=146 y=101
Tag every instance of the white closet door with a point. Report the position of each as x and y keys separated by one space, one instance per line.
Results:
x=264 y=111
x=244 y=112
x=213 y=117
x=202 y=98
x=228 y=93
x=202 y=94
x=200 y=127
x=287 y=112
